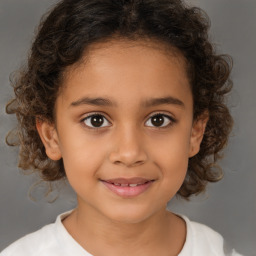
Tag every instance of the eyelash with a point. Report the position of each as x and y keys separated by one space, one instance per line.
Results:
x=171 y=119
x=90 y=116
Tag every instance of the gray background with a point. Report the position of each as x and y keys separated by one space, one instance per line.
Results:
x=228 y=206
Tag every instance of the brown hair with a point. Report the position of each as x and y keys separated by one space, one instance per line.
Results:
x=73 y=25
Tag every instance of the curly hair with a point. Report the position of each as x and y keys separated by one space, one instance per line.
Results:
x=73 y=25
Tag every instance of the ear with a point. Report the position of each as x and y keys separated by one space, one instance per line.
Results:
x=197 y=133
x=49 y=137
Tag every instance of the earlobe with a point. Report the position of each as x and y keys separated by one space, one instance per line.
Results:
x=49 y=137
x=197 y=134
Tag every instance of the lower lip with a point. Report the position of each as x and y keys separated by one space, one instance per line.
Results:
x=128 y=191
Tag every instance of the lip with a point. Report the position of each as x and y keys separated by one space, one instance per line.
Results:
x=133 y=180
x=123 y=188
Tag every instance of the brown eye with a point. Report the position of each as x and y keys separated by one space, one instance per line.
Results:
x=159 y=120
x=96 y=121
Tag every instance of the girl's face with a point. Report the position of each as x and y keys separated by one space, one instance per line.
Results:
x=125 y=130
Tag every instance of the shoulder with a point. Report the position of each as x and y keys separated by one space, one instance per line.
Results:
x=49 y=240
x=34 y=243
x=202 y=240
x=206 y=239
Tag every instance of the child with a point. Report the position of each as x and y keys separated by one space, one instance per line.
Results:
x=125 y=100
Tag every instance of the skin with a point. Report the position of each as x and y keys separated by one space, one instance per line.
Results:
x=128 y=145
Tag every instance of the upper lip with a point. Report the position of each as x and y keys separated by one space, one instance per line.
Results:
x=134 y=180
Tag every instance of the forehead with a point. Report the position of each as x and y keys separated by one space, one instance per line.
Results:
x=97 y=53
x=122 y=67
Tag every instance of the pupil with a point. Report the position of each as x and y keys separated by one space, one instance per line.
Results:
x=157 y=120
x=97 y=121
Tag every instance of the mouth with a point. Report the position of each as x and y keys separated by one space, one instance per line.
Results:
x=127 y=188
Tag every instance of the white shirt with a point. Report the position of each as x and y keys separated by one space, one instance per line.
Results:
x=54 y=239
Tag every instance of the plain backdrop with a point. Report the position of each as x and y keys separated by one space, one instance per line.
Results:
x=229 y=206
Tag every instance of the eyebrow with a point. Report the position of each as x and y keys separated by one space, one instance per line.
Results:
x=162 y=101
x=93 y=102
x=147 y=103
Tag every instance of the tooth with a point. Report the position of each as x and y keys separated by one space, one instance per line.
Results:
x=124 y=185
x=133 y=185
x=116 y=184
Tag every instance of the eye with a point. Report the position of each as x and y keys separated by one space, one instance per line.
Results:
x=96 y=121
x=160 y=120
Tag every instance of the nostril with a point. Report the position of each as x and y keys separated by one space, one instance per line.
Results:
x=128 y=157
x=129 y=164
x=118 y=162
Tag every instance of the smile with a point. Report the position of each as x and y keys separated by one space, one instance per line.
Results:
x=128 y=187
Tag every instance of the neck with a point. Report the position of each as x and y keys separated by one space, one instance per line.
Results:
x=160 y=233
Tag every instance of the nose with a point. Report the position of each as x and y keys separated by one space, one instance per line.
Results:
x=128 y=148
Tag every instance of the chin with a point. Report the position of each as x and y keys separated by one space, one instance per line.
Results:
x=129 y=215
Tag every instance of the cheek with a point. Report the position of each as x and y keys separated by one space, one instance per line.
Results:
x=82 y=155
x=82 y=164
x=173 y=167
x=171 y=154
x=171 y=148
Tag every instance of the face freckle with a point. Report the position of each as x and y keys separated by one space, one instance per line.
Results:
x=137 y=157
